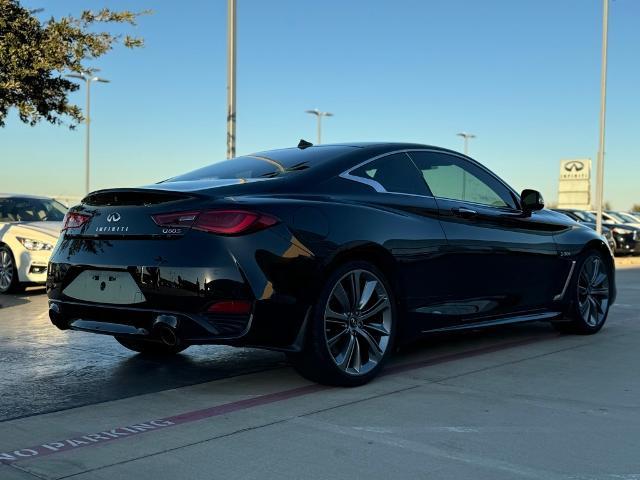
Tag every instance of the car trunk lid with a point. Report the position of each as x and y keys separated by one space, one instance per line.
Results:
x=128 y=213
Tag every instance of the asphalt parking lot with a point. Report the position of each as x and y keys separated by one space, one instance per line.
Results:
x=514 y=402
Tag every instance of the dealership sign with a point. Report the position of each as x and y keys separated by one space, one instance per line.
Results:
x=574 y=185
x=575 y=170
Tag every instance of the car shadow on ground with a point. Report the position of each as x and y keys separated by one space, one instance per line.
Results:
x=15 y=299
x=137 y=374
x=142 y=373
x=148 y=373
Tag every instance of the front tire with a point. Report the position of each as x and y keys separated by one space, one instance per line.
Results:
x=352 y=330
x=150 y=347
x=9 y=281
x=590 y=297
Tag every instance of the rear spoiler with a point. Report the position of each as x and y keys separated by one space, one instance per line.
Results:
x=134 y=196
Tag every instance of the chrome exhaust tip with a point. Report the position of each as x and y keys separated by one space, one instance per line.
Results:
x=164 y=328
x=56 y=317
x=168 y=336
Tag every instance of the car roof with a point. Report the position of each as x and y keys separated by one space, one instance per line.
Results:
x=342 y=155
x=374 y=145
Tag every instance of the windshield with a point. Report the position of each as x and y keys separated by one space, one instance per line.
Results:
x=617 y=217
x=585 y=216
x=269 y=164
x=625 y=217
x=17 y=209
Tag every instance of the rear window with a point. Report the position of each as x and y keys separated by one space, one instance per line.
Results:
x=396 y=173
x=31 y=210
x=269 y=164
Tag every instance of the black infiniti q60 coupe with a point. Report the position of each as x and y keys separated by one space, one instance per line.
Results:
x=334 y=254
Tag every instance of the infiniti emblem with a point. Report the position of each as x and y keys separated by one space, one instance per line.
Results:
x=574 y=166
x=113 y=217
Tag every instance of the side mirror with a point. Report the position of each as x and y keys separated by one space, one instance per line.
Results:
x=531 y=200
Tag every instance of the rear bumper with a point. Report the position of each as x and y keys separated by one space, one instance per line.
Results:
x=147 y=322
x=181 y=279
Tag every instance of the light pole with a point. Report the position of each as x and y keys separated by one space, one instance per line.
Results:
x=88 y=78
x=231 y=78
x=603 y=109
x=467 y=137
x=319 y=114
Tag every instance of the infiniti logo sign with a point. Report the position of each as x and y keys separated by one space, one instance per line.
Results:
x=574 y=166
x=113 y=217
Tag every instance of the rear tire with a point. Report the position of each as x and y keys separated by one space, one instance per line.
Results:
x=352 y=329
x=590 y=294
x=9 y=281
x=150 y=347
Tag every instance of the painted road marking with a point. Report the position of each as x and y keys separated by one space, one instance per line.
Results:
x=119 y=433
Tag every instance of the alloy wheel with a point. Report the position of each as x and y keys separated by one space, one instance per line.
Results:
x=593 y=291
x=6 y=270
x=358 y=321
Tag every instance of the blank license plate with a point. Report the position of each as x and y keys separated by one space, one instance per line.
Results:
x=105 y=287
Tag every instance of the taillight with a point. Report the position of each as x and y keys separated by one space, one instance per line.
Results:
x=221 y=222
x=233 y=222
x=74 y=220
x=180 y=219
x=231 y=307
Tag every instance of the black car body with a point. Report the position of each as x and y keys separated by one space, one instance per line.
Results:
x=626 y=237
x=606 y=232
x=238 y=252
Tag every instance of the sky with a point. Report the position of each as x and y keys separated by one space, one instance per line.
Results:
x=522 y=75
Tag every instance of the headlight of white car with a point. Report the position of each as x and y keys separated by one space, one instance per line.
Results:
x=32 y=245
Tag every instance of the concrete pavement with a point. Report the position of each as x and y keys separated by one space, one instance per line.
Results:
x=514 y=402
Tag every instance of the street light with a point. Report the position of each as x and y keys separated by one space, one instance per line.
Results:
x=89 y=78
x=467 y=137
x=603 y=109
x=319 y=114
x=231 y=79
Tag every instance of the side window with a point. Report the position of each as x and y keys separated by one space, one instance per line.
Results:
x=452 y=177
x=396 y=173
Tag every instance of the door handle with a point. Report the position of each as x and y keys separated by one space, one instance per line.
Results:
x=464 y=212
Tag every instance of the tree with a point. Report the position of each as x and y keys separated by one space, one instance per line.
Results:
x=635 y=207
x=35 y=55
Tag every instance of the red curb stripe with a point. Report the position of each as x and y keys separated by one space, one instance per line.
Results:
x=119 y=433
x=244 y=404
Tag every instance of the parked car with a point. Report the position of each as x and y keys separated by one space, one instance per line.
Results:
x=635 y=215
x=29 y=228
x=334 y=254
x=623 y=218
x=627 y=237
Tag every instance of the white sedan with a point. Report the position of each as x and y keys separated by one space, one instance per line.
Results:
x=29 y=229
